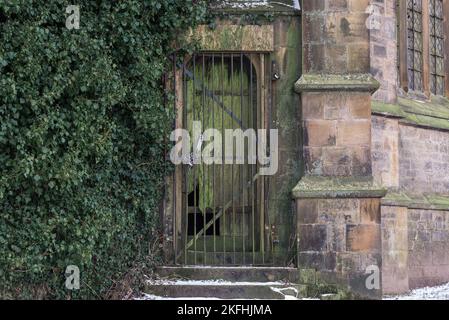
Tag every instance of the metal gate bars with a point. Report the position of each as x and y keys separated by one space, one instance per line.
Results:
x=220 y=211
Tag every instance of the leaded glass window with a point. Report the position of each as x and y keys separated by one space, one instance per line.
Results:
x=415 y=44
x=436 y=47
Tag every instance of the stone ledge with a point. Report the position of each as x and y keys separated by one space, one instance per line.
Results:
x=315 y=187
x=429 y=114
x=331 y=82
x=424 y=202
x=387 y=109
x=437 y=107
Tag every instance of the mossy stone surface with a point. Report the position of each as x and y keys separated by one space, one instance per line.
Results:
x=332 y=82
x=430 y=114
x=387 y=109
x=233 y=37
x=331 y=187
x=427 y=202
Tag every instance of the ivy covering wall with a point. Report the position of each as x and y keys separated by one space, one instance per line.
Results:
x=83 y=127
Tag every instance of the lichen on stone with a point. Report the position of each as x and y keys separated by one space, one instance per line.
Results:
x=417 y=201
x=432 y=114
x=387 y=109
x=337 y=187
x=334 y=82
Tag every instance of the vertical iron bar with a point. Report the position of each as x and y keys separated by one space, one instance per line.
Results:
x=242 y=166
x=251 y=112
x=186 y=182
x=202 y=162
x=232 y=165
x=195 y=183
x=223 y=227
x=262 y=123
x=213 y=164
x=268 y=121
x=175 y=231
x=166 y=156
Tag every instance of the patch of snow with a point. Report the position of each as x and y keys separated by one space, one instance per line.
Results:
x=146 y=296
x=429 y=293
x=211 y=283
x=296 y=5
x=287 y=296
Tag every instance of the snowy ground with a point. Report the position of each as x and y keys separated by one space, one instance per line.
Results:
x=434 y=293
x=146 y=296
x=289 y=292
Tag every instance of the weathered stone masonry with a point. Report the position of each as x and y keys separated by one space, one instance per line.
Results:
x=410 y=156
x=412 y=162
x=338 y=206
x=406 y=147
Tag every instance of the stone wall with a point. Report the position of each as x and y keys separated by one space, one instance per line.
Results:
x=383 y=48
x=411 y=160
x=405 y=158
x=337 y=131
x=415 y=242
x=415 y=248
x=284 y=116
x=338 y=209
x=428 y=236
x=343 y=140
x=423 y=160
x=335 y=36
x=341 y=238
x=395 y=276
x=385 y=151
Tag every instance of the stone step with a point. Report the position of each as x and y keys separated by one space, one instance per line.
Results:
x=232 y=274
x=221 y=290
